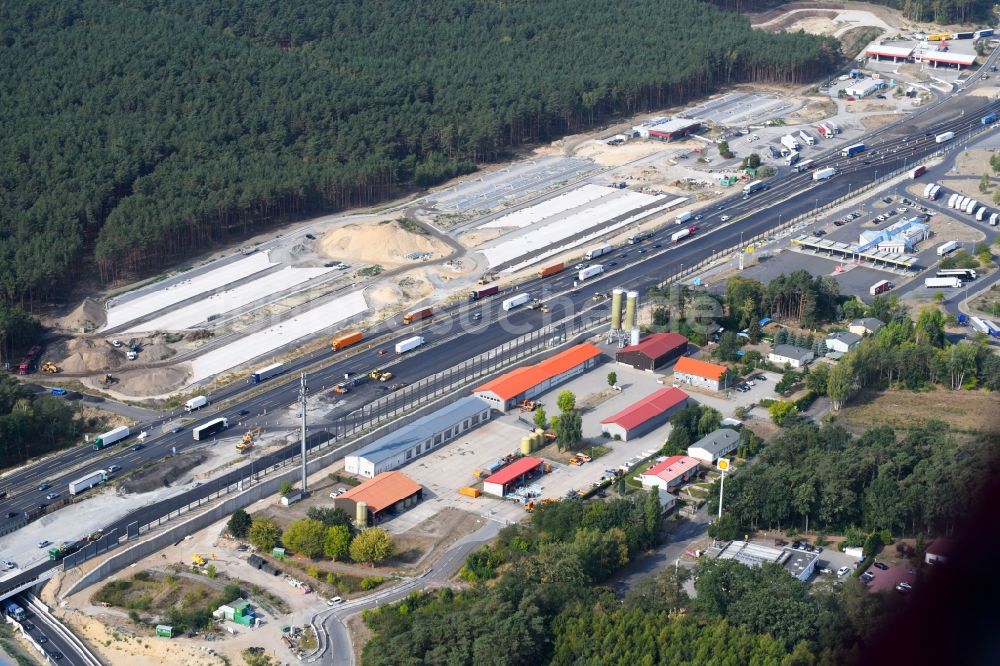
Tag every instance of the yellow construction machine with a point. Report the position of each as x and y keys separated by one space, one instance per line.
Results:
x=50 y=367
x=248 y=439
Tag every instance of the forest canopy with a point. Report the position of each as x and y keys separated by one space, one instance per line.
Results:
x=138 y=132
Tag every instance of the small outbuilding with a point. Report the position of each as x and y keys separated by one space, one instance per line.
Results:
x=866 y=326
x=646 y=415
x=238 y=611
x=653 y=351
x=715 y=445
x=794 y=357
x=938 y=551
x=842 y=342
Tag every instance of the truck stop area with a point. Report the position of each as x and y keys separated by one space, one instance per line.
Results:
x=878 y=258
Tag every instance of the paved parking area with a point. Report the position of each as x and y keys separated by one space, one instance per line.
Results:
x=739 y=109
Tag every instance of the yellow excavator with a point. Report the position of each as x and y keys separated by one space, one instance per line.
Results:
x=50 y=367
x=248 y=439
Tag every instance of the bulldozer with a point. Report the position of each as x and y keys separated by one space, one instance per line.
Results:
x=248 y=440
x=50 y=367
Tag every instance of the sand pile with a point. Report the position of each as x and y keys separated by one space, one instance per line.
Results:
x=151 y=382
x=378 y=243
x=90 y=355
x=156 y=350
x=408 y=287
x=88 y=316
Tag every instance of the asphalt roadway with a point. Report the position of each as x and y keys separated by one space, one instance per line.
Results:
x=461 y=337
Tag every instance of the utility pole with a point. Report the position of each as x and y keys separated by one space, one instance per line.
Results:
x=303 y=393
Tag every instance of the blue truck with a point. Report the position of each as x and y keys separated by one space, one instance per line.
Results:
x=15 y=612
x=988 y=119
x=851 y=151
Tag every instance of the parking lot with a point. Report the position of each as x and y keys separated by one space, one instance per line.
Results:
x=739 y=109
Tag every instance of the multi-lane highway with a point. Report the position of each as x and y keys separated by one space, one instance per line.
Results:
x=458 y=335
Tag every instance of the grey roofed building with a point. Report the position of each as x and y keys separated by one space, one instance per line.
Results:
x=714 y=445
x=800 y=564
x=842 y=342
x=410 y=441
x=794 y=356
x=869 y=325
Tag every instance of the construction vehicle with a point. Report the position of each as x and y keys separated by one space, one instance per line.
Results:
x=197 y=560
x=385 y=376
x=575 y=461
x=584 y=457
x=247 y=442
x=529 y=405
x=341 y=388
x=133 y=350
x=50 y=367
x=109 y=380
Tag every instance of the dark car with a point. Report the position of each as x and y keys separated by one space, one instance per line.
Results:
x=881 y=565
x=819 y=232
x=42 y=506
x=839 y=223
x=57 y=655
x=310 y=237
x=42 y=639
x=656 y=246
x=613 y=263
x=244 y=412
x=12 y=514
x=137 y=447
x=176 y=429
x=44 y=485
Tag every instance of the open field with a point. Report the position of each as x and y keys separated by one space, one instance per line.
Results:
x=967 y=411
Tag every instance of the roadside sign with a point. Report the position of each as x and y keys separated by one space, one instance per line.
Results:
x=722 y=464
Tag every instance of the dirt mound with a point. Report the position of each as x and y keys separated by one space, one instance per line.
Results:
x=86 y=317
x=406 y=288
x=379 y=243
x=89 y=355
x=164 y=473
x=146 y=383
x=156 y=350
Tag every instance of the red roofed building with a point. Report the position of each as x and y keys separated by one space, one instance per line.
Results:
x=700 y=373
x=670 y=473
x=938 y=551
x=646 y=415
x=512 y=476
x=653 y=351
x=509 y=389
x=937 y=57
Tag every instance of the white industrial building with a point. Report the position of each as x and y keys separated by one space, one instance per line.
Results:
x=411 y=441
x=715 y=445
x=899 y=237
x=865 y=87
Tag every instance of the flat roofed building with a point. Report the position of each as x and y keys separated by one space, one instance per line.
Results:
x=509 y=389
x=798 y=563
x=670 y=473
x=795 y=357
x=842 y=342
x=653 y=351
x=646 y=415
x=866 y=326
x=415 y=439
x=387 y=494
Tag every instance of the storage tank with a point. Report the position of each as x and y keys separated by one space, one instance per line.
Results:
x=361 y=514
x=616 y=308
x=634 y=337
x=631 y=303
x=526 y=443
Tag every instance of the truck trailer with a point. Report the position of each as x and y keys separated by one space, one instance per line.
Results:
x=982 y=213
x=268 y=371
x=755 y=186
x=590 y=271
x=928 y=188
x=791 y=158
x=945 y=282
x=808 y=138
x=85 y=482
x=195 y=403
x=789 y=142
x=409 y=344
x=677 y=236
x=880 y=287
x=918 y=171
x=110 y=437
x=972 y=206
x=683 y=217
x=994 y=218
x=944 y=136
x=551 y=270
x=950 y=246
x=598 y=251
x=417 y=315
x=480 y=294
x=346 y=340
x=851 y=151
x=824 y=174
x=515 y=301
x=952 y=200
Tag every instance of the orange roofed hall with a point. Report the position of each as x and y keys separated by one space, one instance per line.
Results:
x=510 y=388
x=387 y=494
x=692 y=372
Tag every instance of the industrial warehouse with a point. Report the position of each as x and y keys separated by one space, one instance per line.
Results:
x=653 y=352
x=646 y=415
x=387 y=494
x=511 y=388
x=413 y=440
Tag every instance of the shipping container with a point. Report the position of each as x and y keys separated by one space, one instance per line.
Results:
x=268 y=371
x=946 y=136
x=942 y=283
x=515 y=301
x=880 y=287
x=598 y=251
x=210 y=428
x=551 y=270
x=110 y=437
x=417 y=315
x=480 y=294
x=346 y=340
x=823 y=174
x=918 y=171
x=89 y=481
x=195 y=403
x=409 y=344
x=469 y=492
x=950 y=246
x=590 y=271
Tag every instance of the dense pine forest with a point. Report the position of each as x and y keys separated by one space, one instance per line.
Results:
x=138 y=132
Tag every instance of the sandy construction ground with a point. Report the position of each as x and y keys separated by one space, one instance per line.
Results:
x=381 y=243
x=606 y=155
x=881 y=120
x=974 y=163
x=968 y=187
